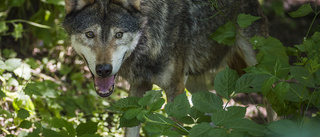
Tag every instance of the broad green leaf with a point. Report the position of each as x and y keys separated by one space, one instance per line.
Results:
x=179 y=107
x=157 y=105
x=50 y=133
x=221 y=117
x=23 y=71
x=316 y=37
x=126 y=103
x=32 y=89
x=225 y=34
x=206 y=101
x=2 y=65
x=186 y=120
x=132 y=113
x=297 y=93
x=194 y=113
x=57 y=122
x=154 y=128
x=87 y=128
x=12 y=64
x=170 y=133
x=128 y=122
x=200 y=130
x=246 y=125
x=225 y=82
x=23 y=114
x=217 y=132
x=150 y=97
x=25 y=124
x=17 y=33
x=3 y=27
x=281 y=89
x=245 y=20
x=315 y=99
x=271 y=50
x=250 y=83
x=267 y=85
x=302 y=75
x=304 y=10
x=160 y=119
x=283 y=127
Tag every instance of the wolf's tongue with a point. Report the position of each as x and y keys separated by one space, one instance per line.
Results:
x=104 y=86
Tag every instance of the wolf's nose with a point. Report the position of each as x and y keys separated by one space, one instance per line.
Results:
x=103 y=70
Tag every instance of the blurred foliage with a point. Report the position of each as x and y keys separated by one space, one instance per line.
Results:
x=45 y=89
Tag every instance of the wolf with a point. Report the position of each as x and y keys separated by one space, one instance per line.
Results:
x=162 y=42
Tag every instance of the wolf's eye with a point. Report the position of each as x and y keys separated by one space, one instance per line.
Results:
x=89 y=34
x=119 y=35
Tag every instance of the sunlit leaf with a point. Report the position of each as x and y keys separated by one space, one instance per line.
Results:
x=304 y=10
x=225 y=34
x=245 y=20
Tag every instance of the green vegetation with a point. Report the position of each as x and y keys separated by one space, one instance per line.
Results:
x=45 y=89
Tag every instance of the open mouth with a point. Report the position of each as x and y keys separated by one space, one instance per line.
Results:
x=104 y=86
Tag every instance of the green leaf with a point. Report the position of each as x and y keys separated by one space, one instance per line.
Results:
x=3 y=27
x=170 y=133
x=23 y=114
x=12 y=64
x=297 y=93
x=271 y=50
x=179 y=107
x=302 y=75
x=87 y=128
x=267 y=85
x=50 y=133
x=57 y=123
x=250 y=83
x=222 y=117
x=304 y=10
x=23 y=71
x=32 y=89
x=245 y=20
x=25 y=124
x=2 y=65
x=315 y=99
x=157 y=105
x=17 y=33
x=194 y=113
x=225 y=82
x=246 y=125
x=154 y=128
x=150 y=97
x=216 y=132
x=281 y=89
x=132 y=113
x=126 y=103
x=284 y=127
x=206 y=101
x=128 y=122
x=225 y=34
x=200 y=130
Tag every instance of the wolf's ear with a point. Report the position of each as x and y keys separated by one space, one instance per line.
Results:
x=135 y=4
x=74 y=5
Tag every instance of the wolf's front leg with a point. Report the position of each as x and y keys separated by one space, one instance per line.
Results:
x=137 y=90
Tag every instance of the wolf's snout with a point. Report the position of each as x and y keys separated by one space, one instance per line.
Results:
x=103 y=70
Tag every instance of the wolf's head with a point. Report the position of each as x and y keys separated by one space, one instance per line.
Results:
x=104 y=33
